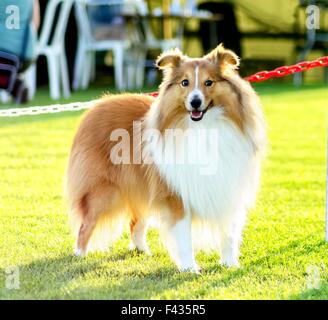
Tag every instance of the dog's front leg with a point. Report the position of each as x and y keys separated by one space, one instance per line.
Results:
x=230 y=242
x=178 y=240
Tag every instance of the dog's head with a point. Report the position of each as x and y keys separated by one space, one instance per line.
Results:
x=193 y=86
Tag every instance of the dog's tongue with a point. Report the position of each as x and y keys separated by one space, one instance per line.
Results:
x=196 y=114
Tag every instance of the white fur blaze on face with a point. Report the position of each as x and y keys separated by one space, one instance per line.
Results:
x=178 y=241
x=196 y=94
x=196 y=78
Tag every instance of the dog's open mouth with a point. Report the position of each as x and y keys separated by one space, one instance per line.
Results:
x=198 y=115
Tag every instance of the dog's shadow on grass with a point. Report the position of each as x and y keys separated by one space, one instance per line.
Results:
x=319 y=293
x=123 y=274
x=120 y=273
x=295 y=250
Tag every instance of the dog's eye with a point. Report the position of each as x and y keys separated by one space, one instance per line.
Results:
x=208 y=83
x=185 y=83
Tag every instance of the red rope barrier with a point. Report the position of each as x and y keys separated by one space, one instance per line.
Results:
x=281 y=71
x=287 y=70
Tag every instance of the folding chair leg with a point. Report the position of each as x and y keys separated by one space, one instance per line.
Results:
x=54 y=73
x=93 y=66
x=30 y=80
x=78 y=69
x=118 y=67
x=140 y=69
x=87 y=66
x=64 y=76
x=298 y=76
x=129 y=69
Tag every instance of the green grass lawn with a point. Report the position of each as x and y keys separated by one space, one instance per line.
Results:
x=283 y=240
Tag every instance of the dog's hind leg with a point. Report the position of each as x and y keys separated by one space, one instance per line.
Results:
x=138 y=230
x=92 y=206
x=84 y=234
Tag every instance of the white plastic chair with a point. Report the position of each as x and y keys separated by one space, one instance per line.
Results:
x=53 y=48
x=4 y=96
x=150 y=42
x=162 y=44
x=147 y=41
x=88 y=45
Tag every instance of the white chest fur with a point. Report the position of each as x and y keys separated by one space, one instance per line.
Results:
x=212 y=167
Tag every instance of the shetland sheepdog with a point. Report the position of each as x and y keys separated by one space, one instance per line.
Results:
x=191 y=157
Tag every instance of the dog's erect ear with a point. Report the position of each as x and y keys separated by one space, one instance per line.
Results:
x=223 y=57
x=169 y=59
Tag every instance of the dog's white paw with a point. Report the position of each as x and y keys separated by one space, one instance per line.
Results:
x=79 y=253
x=230 y=262
x=144 y=248
x=193 y=269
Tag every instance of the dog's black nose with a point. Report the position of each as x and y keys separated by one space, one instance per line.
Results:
x=196 y=103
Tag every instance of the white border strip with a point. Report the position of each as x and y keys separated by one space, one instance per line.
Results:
x=327 y=192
